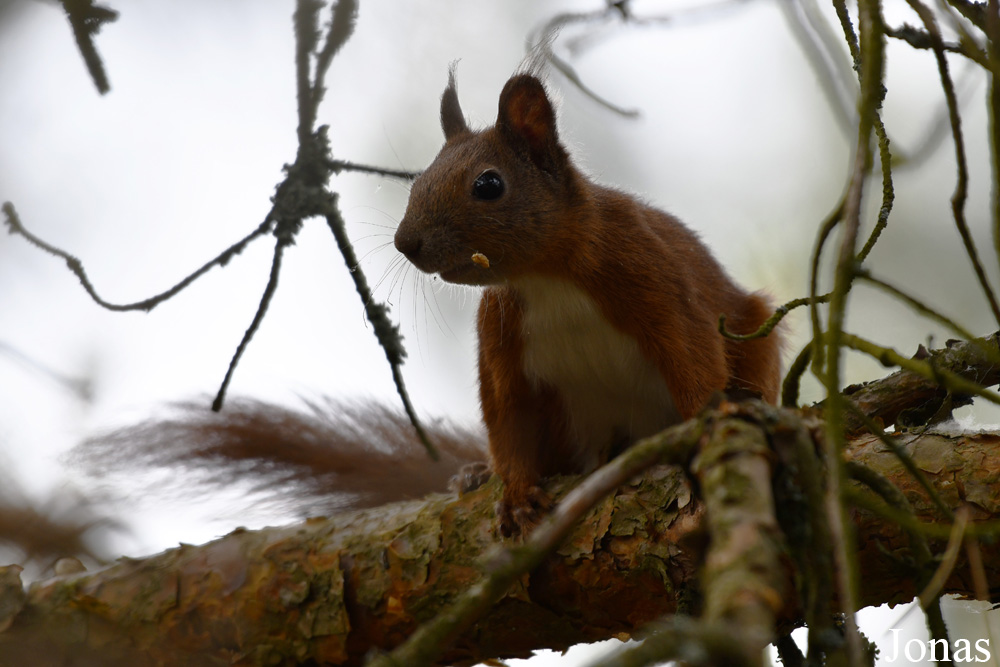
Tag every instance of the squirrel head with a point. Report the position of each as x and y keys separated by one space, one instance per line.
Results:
x=502 y=194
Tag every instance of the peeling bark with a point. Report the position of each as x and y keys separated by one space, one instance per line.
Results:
x=331 y=589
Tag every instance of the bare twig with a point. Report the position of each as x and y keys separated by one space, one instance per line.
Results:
x=933 y=589
x=13 y=222
x=962 y=184
x=265 y=302
x=922 y=40
x=87 y=19
x=825 y=229
x=692 y=642
x=869 y=60
x=337 y=166
x=342 y=23
x=929 y=312
x=771 y=322
x=81 y=386
x=918 y=542
x=826 y=57
x=541 y=40
x=991 y=25
x=378 y=314
x=313 y=166
x=306 y=21
x=790 y=385
x=906 y=460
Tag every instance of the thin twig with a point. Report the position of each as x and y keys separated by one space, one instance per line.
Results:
x=542 y=39
x=962 y=184
x=922 y=40
x=265 y=302
x=790 y=385
x=306 y=38
x=898 y=508
x=980 y=583
x=959 y=23
x=870 y=63
x=890 y=357
x=337 y=166
x=386 y=332
x=933 y=589
x=904 y=458
x=888 y=193
x=313 y=166
x=987 y=530
x=771 y=322
x=87 y=19
x=825 y=229
x=76 y=266
x=826 y=57
x=929 y=312
x=991 y=25
x=342 y=23
x=891 y=494
x=692 y=642
x=976 y=12
x=81 y=386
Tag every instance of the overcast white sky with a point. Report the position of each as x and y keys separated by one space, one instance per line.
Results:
x=179 y=160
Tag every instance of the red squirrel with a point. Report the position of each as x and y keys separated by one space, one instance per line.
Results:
x=597 y=326
x=598 y=322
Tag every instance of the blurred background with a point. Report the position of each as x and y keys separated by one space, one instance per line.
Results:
x=741 y=133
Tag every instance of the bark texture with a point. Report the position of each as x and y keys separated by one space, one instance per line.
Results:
x=329 y=590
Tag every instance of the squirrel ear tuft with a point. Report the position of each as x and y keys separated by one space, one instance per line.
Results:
x=452 y=119
x=526 y=116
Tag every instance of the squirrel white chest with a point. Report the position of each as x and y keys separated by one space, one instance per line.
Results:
x=610 y=390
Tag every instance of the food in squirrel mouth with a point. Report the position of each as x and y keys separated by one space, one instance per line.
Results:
x=481 y=259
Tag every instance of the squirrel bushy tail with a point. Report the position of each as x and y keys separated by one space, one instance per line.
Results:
x=332 y=456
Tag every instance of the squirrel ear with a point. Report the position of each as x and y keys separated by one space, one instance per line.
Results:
x=452 y=119
x=526 y=116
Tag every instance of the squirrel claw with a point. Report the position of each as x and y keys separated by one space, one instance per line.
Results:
x=470 y=477
x=519 y=516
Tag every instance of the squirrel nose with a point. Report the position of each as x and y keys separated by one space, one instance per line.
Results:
x=408 y=243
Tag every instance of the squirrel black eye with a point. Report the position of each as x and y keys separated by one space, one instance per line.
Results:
x=488 y=185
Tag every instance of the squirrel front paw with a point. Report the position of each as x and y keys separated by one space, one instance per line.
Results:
x=519 y=512
x=470 y=477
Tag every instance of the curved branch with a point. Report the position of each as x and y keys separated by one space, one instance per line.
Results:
x=331 y=589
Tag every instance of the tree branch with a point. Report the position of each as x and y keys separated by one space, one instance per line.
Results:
x=329 y=590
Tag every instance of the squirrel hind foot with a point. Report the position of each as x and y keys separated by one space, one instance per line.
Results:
x=518 y=517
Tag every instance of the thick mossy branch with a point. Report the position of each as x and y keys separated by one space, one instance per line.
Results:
x=960 y=370
x=503 y=568
x=329 y=590
x=745 y=582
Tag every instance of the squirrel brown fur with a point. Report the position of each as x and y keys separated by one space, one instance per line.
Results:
x=598 y=321
x=597 y=326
